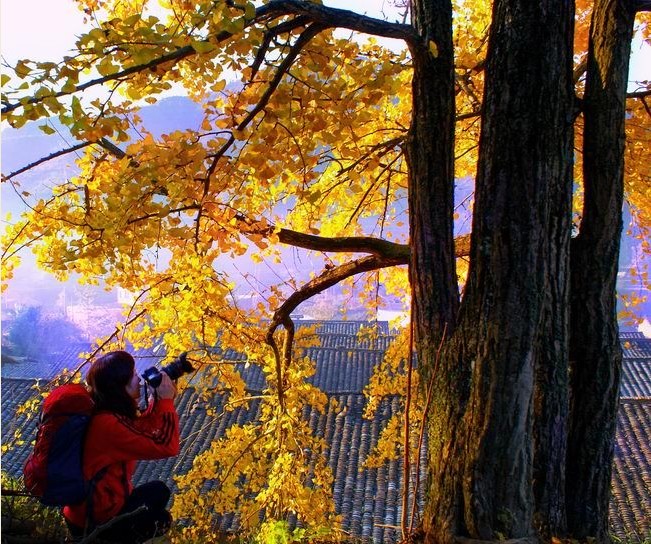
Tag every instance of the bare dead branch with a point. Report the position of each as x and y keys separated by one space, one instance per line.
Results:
x=40 y=161
x=110 y=147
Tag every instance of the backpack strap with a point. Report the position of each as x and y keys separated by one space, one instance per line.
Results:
x=90 y=521
x=92 y=483
x=125 y=480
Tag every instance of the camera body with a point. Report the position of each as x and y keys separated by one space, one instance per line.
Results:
x=174 y=370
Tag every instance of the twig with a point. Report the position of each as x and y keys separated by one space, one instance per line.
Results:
x=406 y=463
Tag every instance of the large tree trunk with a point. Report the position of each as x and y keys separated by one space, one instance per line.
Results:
x=595 y=350
x=519 y=232
x=430 y=155
x=551 y=405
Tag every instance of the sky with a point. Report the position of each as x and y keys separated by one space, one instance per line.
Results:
x=46 y=29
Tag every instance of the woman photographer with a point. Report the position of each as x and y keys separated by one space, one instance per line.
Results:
x=117 y=437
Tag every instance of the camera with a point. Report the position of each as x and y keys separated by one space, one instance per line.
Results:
x=174 y=370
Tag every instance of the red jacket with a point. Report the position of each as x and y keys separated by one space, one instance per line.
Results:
x=117 y=442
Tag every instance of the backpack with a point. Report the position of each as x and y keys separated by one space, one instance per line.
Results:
x=53 y=471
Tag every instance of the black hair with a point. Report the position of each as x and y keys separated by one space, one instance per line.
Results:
x=108 y=377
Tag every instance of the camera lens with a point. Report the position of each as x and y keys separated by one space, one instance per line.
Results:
x=174 y=370
x=178 y=367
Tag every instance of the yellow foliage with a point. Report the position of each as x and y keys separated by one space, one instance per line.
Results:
x=322 y=154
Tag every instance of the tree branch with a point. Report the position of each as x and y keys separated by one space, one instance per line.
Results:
x=328 y=17
x=641 y=5
x=110 y=147
x=326 y=279
x=343 y=244
x=272 y=33
x=42 y=160
x=176 y=55
x=385 y=254
x=341 y=18
x=639 y=94
x=289 y=59
x=358 y=244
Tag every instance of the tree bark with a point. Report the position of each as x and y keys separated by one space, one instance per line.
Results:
x=430 y=156
x=432 y=268
x=519 y=232
x=595 y=350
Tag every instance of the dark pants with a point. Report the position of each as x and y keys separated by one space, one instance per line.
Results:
x=153 y=520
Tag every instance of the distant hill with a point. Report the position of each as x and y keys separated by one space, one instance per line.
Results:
x=27 y=144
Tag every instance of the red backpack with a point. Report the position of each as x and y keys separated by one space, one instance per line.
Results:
x=53 y=471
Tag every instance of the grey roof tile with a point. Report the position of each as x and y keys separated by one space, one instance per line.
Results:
x=630 y=510
x=626 y=335
x=637 y=348
x=636 y=378
x=343 y=326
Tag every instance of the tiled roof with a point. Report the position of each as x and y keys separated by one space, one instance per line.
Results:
x=370 y=500
x=333 y=340
x=626 y=335
x=630 y=505
x=344 y=327
x=637 y=347
x=636 y=379
x=52 y=364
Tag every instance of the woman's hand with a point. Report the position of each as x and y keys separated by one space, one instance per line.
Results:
x=167 y=388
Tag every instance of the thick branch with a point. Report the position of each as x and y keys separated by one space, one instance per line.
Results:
x=641 y=5
x=340 y=18
x=326 y=279
x=112 y=148
x=345 y=244
x=358 y=244
x=639 y=94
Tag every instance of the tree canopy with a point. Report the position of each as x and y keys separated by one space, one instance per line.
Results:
x=311 y=146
